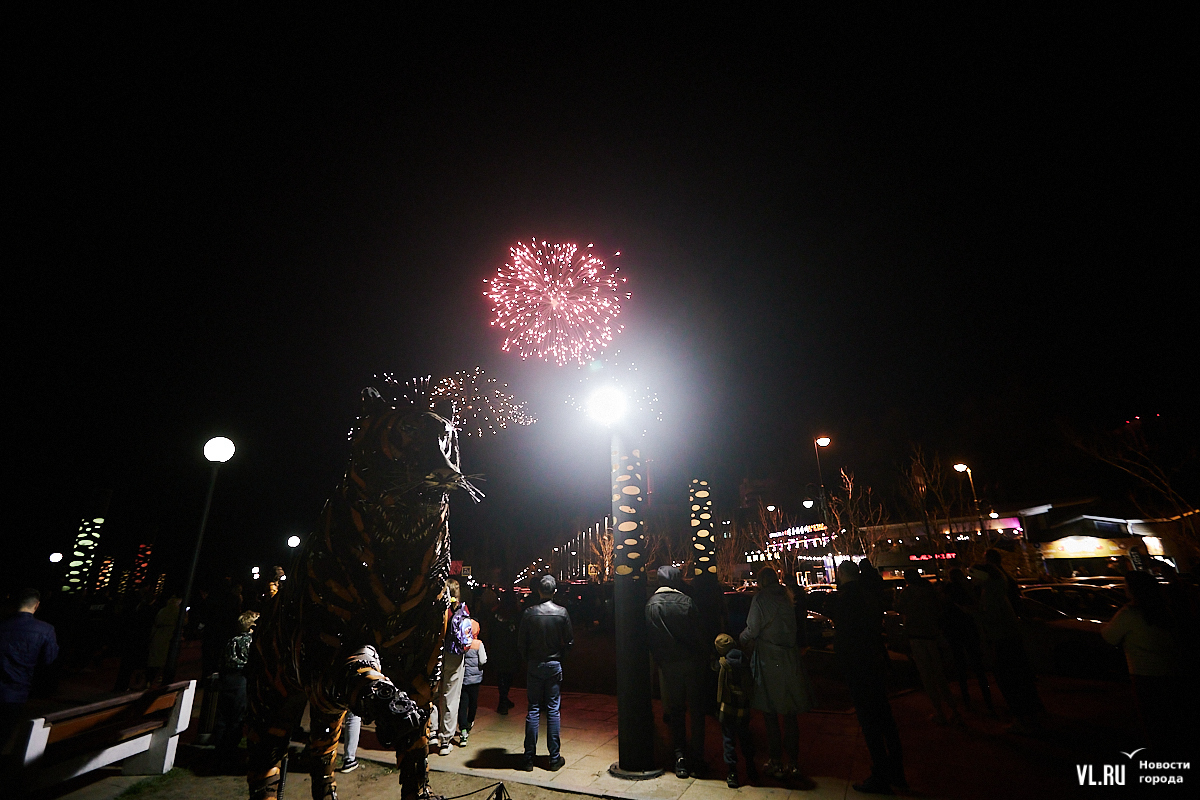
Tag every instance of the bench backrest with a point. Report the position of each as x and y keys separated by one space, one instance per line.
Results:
x=109 y=722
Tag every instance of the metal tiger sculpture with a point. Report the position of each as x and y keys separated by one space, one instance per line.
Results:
x=360 y=624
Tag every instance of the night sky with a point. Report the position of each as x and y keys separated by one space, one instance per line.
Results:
x=967 y=232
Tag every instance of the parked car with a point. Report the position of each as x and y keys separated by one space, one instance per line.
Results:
x=1061 y=626
x=1079 y=600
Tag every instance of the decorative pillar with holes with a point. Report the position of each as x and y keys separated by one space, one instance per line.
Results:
x=704 y=529
x=635 y=720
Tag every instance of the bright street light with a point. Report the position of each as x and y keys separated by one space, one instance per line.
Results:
x=218 y=450
x=974 y=497
x=607 y=405
x=823 y=441
x=808 y=502
x=55 y=558
x=293 y=541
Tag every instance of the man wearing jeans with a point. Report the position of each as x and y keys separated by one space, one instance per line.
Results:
x=543 y=639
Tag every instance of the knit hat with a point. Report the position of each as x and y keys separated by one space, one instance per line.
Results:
x=724 y=643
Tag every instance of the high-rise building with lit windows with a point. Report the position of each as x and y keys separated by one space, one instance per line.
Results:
x=79 y=565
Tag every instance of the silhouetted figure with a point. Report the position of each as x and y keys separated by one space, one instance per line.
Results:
x=160 y=637
x=924 y=611
x=735 y=693
x=963 y=636
x=674 y=633
x=134 y=622
x=231 y=683
x=709 y=596
x=503 y=659
x=1012 y=589
x=857 y=611
x=543 y=639
x=800 y=604
x=25 y=644
x=219 y=617
x=1151 y=636
x=781 y=686
x=1001 y=632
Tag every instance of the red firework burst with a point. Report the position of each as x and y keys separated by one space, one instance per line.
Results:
x=556 y=302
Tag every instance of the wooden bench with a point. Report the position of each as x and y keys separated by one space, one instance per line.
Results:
x=139 y=730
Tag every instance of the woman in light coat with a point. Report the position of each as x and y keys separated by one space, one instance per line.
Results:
x=781 y=685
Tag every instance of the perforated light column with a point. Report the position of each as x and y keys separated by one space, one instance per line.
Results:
x=704 y=528
x=635 y=719
x=104 y=576
x=80 y=564
x=141 y=564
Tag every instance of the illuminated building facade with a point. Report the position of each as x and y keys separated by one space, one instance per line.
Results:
x=79 y=565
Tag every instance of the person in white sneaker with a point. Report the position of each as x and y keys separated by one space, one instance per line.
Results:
x=351 y=729
x=458 y=638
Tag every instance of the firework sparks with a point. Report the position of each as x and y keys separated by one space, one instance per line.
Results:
x=480 y=403
x=556 y=302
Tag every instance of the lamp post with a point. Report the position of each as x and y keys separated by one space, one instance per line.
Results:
x=218 y=451
x=974 y=497
x=818 y=443
x=635 y=720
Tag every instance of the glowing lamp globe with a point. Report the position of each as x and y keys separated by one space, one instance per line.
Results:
x=55 y=558
x=218 y=450
x=293 y=541
x=607 y=405
x=808 y=503
x=960 y=467
x=823 y=441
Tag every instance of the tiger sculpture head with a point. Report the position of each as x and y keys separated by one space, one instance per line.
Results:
x=360 y=625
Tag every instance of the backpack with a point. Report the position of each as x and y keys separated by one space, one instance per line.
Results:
x=458 y=633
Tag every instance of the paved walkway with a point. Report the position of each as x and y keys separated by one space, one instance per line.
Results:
x=589 y=745
x=1090 y=721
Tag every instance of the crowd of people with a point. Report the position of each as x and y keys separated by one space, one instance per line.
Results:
x=961 y=628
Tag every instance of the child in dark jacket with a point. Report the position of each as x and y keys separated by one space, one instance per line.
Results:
x=735 y=691
x=473 y=660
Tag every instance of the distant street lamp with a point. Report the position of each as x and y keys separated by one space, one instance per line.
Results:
x=217 y=450
x=293 y=541
x=974 y=497
x=55 y=558
x=635 y=718
x=818 y=443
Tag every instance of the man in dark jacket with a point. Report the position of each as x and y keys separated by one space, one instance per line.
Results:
x=25 y=644
x=673 y=628
x=543 y=639
x=859 y=650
